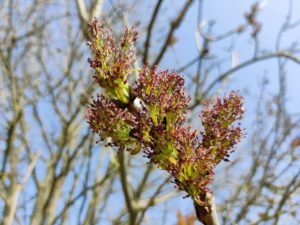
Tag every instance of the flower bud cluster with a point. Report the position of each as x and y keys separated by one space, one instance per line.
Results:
x=163 y=92
x=157 y=127
x=219 y=136
x=111 y=121
x=112 y=62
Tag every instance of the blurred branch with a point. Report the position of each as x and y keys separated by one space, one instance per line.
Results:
x=127 y=190
x=14 y=191
x=290 y=188
x=143 y=182
x=85 y=16
x=174 y=25
x=82 y=193
x=82 y=11
x=10 y=138
x=223 y=76
x=149 y=30
x=96 y=8
x=154 y=199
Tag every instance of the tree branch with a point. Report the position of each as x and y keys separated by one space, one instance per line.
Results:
x=207 y=214
x=280 y=54
x=149 y=31
x=174 y=25
x=128 y=195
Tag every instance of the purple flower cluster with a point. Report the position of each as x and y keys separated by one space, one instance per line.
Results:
x=219 y=136
x=109 y=120
x=163 y=93
x=112 y=62
x=157 y=126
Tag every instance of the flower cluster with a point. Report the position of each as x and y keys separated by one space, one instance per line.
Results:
x=163 y=93
x=109 y=120
x=192 y=161
x=157 y=125
x=188 y=162
x=219 y=136
x=112 y=62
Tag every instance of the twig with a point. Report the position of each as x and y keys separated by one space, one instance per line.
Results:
x=174 y=25
x=128 y=195
x=279 y=54
x=207 y=214
x=149 y=31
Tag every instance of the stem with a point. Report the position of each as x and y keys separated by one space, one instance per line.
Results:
x=127 y=191
x=207 y=214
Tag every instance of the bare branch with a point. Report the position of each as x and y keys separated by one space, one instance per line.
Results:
x=174 y=25
x=149 y=30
